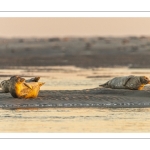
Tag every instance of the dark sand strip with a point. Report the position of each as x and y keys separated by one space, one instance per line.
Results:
x=133 y=52
x=98 y=97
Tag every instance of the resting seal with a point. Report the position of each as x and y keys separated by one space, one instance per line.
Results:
x=5 y=84
x=21 y=89
x=127 y=82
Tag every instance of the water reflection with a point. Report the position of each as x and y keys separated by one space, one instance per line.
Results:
x=79 y=120
x=70 y=77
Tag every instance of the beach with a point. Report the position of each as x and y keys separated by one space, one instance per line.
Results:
x=73 y=69
x=36 y=55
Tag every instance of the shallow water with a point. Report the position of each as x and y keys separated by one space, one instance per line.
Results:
x=78 y=120
x=75 y=120
x=70 y=77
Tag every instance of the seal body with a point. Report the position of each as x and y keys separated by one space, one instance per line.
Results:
x=4 y=85
x=21 y=89
x=127 y=82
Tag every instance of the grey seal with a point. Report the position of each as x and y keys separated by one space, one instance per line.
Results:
x=4 y=85
x=127 y=82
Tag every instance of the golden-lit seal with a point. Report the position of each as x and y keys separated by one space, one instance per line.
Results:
x=127 y=82
x=21 y=89
x=4 y=85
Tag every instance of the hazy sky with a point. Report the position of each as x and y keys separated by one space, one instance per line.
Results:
x=48 y=27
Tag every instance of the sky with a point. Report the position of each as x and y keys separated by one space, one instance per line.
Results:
x=80 y=27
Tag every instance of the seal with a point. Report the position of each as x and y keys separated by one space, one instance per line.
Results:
x=21 y=89
x=127 y=82
x=4 y=85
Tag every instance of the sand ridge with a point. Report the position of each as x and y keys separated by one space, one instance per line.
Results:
x=97 y=97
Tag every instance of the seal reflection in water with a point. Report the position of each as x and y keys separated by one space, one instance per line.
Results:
x=21 y=89
x=127 y=82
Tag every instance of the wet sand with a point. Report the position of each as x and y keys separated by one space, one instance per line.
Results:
x=97 y=97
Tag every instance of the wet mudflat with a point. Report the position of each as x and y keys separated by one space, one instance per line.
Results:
x=98 y=97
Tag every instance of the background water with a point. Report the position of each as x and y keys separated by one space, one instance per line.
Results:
x=70 y=77
x=78 y=120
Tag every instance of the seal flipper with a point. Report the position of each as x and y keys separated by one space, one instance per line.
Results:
x=41 y=83
x=28 y=85
x=104 y=85
x=35 y=79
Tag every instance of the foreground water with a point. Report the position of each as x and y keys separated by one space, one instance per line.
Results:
x=74 y=119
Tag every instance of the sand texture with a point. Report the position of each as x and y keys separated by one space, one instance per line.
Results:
x=97 y=97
